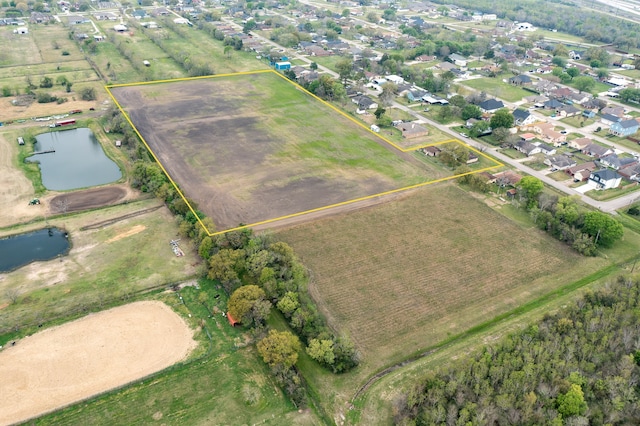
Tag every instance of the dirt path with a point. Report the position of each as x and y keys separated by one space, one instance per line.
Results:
x=79 y=359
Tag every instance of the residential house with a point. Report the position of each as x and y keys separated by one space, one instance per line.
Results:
x=506 y=178
x=548 y=134
x=609 y=119
x=446 y=66
x=552 y=104
x=567 y=111
x=490 y=105
x=615 y=162
x=459 y=60
x=631 y=172
x=559 y=162
x=432 y=99
x=77 y=20
x=581 y=172
x=578 y=98
x=412 y=130
x=618 y=111
x=39 y=17
x=364 y=103
x=605 y=179
x=416 y=94
x=430 y=151
x=527 y=148
x=580 y=143
x=624 y=128
x=528 y=137
x=523 y=117
x=597 y=151
x=576 y=55
x=521 y=80
x=546 y=149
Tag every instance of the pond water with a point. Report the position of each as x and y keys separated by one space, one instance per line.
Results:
x=78 y=161
x=22 y=249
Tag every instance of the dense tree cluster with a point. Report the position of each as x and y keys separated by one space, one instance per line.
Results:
x=563 y=218
x=579 y=366
x=563 y=16
x=239 y=259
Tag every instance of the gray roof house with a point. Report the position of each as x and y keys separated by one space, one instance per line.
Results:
x=605 y=179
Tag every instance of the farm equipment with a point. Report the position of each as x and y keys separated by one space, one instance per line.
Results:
x=34 y=202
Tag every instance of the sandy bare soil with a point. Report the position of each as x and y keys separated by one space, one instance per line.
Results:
x=101 y=351
x=15 y=189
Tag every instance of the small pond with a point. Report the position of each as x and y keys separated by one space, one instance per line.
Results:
x=22 y=249
x=78 y=161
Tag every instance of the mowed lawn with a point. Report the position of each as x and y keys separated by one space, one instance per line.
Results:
x=403 y=276
x=496 y=87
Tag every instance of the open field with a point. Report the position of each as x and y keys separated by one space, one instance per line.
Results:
x=224 y=381
x=498 y=88
x=107 y=261
x=258 y=148
x=16 y=190
x=88 y=356
x=403 y=276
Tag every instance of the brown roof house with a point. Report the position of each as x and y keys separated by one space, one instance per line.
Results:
x=412 y=130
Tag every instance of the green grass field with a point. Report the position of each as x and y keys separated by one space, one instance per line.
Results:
x=401 y=277
x=498 y=88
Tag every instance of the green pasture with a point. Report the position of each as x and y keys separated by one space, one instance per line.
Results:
x=498 y=88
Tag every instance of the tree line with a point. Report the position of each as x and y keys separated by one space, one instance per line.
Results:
x=578 y=366
x=563 y=16
x=258 y=273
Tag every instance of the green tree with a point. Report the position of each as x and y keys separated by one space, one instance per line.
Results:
x=345 y=69
x=46 y=82
x=561 y=50
x=313 y=66
x=321 y=351
x=559 y=61
x=88 y=94
x=603 y=228
x=573 y=72
x=502 y=118
x=584 y=83
x=279 y=349
x=531 y=187
x=572 y=403
x=288 y=303
x=470 y=111
x=379 y=112
x=248 y=304
x=225 y=267
x=388 y=93
x=458 y=100
x=478 y=128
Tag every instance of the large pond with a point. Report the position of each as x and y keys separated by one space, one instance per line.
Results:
x=78 y=161
x=44 y=244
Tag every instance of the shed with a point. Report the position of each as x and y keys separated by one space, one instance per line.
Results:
x=283 y=65
x=20 y=140
x=118 y=143
x=232 y=320
x=146 y=63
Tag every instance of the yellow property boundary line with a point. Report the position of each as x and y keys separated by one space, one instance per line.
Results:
x=342 y=113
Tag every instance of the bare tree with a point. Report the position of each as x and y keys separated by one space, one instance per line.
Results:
x=12 y=294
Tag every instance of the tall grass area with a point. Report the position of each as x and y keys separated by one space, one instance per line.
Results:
x=406 y=276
